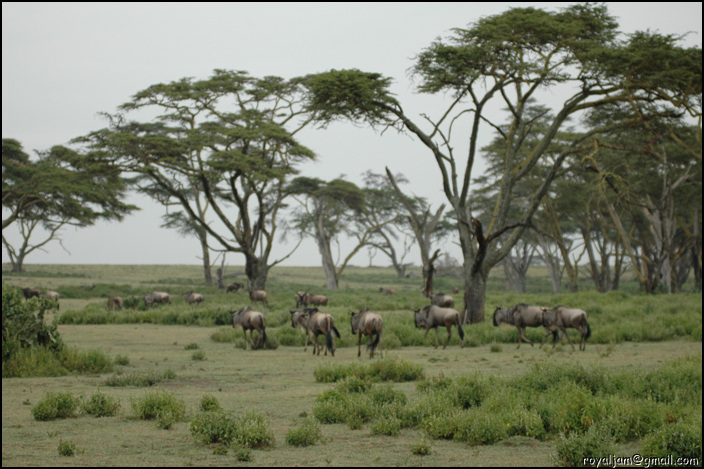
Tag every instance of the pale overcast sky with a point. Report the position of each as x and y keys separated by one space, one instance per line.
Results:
x=62 y=63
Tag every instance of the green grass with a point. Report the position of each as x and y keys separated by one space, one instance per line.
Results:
x=633 y=337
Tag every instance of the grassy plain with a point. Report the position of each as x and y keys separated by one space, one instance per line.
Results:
x=280 y=383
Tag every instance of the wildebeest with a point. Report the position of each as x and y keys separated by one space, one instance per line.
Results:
x=306 y=299
x=249 y=321
x=235 y=287
x=315 y=322
x=193 y=298
x=52 y=295
x=521 y=316
x=367 y=323
x=114 y=303
x=31 y=293
x=159 y=297
x=433 y=316
x=258 y=295
x=443 y=300
x=562 y=317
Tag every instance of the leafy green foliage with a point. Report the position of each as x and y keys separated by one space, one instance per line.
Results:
x=23 y=324
x=305 y=433
x=249 y=430
x=66 y=448
x=100 y=405
x=349 y=94
x=55 y=405
x=158 y=403
x=381 y=370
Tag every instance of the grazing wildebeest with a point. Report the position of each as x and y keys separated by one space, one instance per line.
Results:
x=193 y=298
x=52 y=295
x=521 y=316
x=306 y=299
x=443 y=300
x=250 y=320
x=562 y=317
x=31 y=293
x=115 y=302
x=235 y=287
x=387 y=291
x=258 y=295
x=315 y=322
x=159 y=297
x=367 y=323
x=432 y=316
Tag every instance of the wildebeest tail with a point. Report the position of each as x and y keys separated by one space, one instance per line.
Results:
x=328 y=342
x=337 y=333
x=589 y=331
x=460 y=330
x=263 y=337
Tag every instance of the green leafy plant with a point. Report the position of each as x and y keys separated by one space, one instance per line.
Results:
x=55 y=405
x=305 y=433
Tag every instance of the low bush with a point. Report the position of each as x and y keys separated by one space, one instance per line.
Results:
x=595 y=443
x=305 y=433
x=159 y=403
x=55 y=405
x=66 y=448
x=209 y=404
x=676 y=440
x=378 y=370
x=387 y=425
x=100 y=405
x=250 y=430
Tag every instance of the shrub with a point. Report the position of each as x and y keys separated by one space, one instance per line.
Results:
x=379 y=370
x=67 y=448
x=250 y=430
x=55 y=405
x=209 y=404
x=100 y=405
x=679 y=440
x=90 y=362
x=422 y=448
x=198 y=355
x=595 y=443
x=387 y=425
x=480 y=427
x=23 y=328
x=306 y=433
x=159 y=403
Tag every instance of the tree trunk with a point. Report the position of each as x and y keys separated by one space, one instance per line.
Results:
x=207 y=273
x=323 y=242
x=474 y=295
x=257 y=272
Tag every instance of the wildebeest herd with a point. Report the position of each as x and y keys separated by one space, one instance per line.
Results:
x=314 y=323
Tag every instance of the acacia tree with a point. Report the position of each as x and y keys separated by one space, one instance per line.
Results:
x=426 y=226
x=56 y=190
x=507 y=58
x=228 y=142
x=328 y=210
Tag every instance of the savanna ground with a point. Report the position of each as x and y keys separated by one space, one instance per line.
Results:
x=630 y=331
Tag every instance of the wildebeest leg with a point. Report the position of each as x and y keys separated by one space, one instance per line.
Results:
x=244 y=331
x=436 y=336
x=427 y=329
x=359 y=346
x=568 y=337
x=449 y=334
